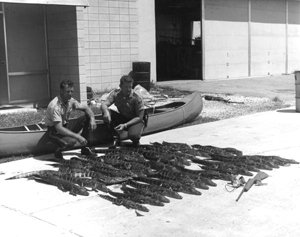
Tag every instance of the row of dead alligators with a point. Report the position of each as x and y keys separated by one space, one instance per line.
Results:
x=151 y=174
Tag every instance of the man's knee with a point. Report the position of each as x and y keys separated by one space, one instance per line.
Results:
x=70 y=141
x=135 y=132
x=134 y=137
x=67 y=143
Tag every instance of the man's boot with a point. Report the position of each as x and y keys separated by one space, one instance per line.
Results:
x=58 y=154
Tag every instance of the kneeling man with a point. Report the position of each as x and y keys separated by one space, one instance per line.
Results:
x=65 y=132
x=131 y=111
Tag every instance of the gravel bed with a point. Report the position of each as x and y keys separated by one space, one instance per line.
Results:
x=217 y=110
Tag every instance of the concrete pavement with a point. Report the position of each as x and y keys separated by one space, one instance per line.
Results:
x=31 y=209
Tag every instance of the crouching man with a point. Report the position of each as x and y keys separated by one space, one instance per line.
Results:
x=63 y=132
x=131 y=112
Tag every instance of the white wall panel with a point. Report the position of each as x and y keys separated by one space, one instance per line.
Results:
x=226 y=39
x=293 y=36
x=147 y=50
x=237 y=70
x=216 y=71
x=273 y=46
x=268 y=37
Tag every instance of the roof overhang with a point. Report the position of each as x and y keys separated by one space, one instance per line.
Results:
x=83 y=3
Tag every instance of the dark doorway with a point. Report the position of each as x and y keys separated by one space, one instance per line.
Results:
x=178 y=39
x=23 y=55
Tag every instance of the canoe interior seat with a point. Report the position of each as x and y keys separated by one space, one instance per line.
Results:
x=35 y=127
x=161 y=110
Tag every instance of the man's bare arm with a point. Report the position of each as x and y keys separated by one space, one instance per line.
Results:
x=90 y=114
x=105 y=111
x=133 y=121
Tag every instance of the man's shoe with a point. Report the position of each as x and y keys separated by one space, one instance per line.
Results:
x=58 y=155
x=87 y=152
x=115 y=143
x=136 y=144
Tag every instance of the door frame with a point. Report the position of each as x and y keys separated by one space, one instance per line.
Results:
x=7 y=99
x=22 y=73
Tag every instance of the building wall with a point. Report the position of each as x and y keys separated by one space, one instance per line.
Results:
x=66 y=49
x=225 y=39
x=293 y=31
x=147 y=34
x=245 y=38
x=268 y=37
x=95 y=46
x=110 y=41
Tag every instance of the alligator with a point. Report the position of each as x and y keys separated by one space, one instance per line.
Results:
x=138 y=198
x=73 y=162
x=87 y=182
x=176 y=145
x=154 y=188
x=173 y=176
x=133 y=166
x=124 y=154
x=111 y=171
x=69 y=170
x=144 y=192
x=214 y=174
x=106 y=151
x=199 y=183
x=92 y=159
x=245 y=159
x=281 y=160
x=221 y=171
x=175 y=186
x=78 y=164
x=185 y=148
x=220 y=166
x=273 y=161
x=124 y=202
x=227 y=151
x=161 y=166
x=136 y=168
x=107 y=180
x=118 y=173
x=199 y=176
x=180 y=156
x=62 y=184
x=136 y=157
x=34 y=173
x=152 y=155
x=210 y=150
x=239 y=163
x=233 y=151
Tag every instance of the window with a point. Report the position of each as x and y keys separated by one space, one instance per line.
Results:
x=196 y=31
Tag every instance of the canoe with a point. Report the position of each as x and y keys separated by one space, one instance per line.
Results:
x=33 y=139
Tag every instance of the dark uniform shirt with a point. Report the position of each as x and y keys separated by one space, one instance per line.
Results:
x=129 y=107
